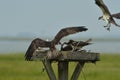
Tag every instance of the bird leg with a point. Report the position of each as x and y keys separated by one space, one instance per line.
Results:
x=108 y=29
x=108 y=26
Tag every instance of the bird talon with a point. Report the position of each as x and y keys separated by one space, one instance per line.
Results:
x=108 y=29
x=105 y=26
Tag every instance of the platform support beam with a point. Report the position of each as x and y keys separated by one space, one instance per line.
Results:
x=49 y=69
x=63 y=70
x=77 y=71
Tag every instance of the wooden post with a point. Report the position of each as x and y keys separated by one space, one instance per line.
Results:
x=77 y=70
x=49 y=69
x=63 y=70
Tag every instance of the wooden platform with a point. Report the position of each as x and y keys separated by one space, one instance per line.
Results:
x=63 y=59
x=68 y=55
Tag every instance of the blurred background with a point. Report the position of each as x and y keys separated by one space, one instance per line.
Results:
x=21 y=21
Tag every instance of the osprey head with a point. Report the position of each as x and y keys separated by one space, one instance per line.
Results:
x=70 y=41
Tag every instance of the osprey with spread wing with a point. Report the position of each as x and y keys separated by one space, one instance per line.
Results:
x=107 y=16
x=36 y=43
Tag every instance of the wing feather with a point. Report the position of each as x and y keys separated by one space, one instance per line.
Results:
x=117 y=15
x=103 y=7
x=67 y=31
x=33 y=46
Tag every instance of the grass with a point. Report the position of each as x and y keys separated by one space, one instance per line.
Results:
x=14 y=67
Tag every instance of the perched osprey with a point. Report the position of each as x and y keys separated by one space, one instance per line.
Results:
x=107 y=15
x=75 y=45
x=80 y=44
x=68 y=46
x=36 y=43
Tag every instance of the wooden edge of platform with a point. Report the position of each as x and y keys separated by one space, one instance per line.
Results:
x=82 y=55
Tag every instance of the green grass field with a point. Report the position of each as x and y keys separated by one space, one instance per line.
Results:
x=14 y=67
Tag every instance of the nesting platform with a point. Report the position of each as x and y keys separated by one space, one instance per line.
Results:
x=80 y=57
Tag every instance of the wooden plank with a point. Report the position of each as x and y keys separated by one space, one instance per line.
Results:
x=63 y=70
x=49 y=69
x=71 y=56
x=77 y=71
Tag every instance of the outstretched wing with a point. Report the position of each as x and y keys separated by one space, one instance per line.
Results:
x=103 y=7
x=67 y=31
x=33 y=46
x=117 y=15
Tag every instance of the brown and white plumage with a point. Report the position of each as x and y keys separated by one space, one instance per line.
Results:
x=107 y=15
x=72 y=45
x=80 y=44
x=68 y=46
x=36 y=43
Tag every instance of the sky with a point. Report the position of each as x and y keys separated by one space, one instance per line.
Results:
x=46 y=17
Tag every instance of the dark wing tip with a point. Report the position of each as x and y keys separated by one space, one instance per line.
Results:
x=28 y=55
x=28 y=59
x=30 y=50
x=97 y=2
x=83 y=28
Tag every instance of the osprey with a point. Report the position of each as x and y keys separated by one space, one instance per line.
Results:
x=107 y=15
x=75 y=45
x=36 y=43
